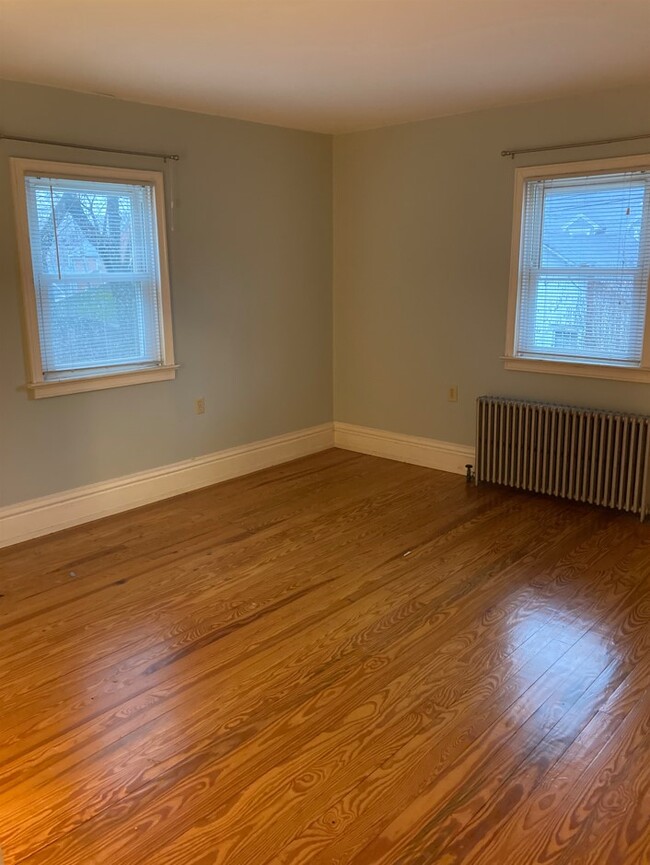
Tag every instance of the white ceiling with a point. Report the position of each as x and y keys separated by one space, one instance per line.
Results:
x=327 y=65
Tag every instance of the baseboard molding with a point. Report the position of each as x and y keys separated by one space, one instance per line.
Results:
x=445 y=456
x=42 y=516
x=49 y=514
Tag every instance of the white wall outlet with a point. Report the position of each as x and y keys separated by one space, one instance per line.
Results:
x=452 y=393
x=199 y=405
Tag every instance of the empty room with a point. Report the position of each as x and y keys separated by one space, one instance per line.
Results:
x=324 y=432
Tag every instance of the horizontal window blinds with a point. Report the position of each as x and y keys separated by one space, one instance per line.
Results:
x=584 y=267
x=94 y=248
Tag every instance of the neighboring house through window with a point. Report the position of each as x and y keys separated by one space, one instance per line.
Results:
x=580 y=270
x=95 y=277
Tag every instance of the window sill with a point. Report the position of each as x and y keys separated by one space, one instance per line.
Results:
x=42 y=389
x=581 y=370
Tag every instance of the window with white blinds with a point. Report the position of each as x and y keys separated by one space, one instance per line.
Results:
x=583 y=267
x=100 y=298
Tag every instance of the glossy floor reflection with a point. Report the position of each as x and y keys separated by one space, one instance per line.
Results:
x=339 y=660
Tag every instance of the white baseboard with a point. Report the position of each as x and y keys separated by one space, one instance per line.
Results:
x=445 y=456
x=48 y=514
x=42 y=516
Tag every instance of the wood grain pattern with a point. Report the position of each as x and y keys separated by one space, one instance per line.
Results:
x=339 y=661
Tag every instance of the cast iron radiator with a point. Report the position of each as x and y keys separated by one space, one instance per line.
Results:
x=600 y=457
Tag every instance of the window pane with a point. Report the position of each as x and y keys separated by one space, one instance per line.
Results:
x=88 y=231
x=585 y=318
x=95 y=324
x=584 y=266
x=592 y=227
x=95 y=259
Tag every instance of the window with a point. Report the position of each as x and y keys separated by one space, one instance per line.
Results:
x=95 y=280
x=580 y=269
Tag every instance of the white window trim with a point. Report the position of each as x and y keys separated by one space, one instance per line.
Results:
x=36 y=385
x=639 y=373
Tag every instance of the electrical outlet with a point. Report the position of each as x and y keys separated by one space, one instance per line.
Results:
x=199 y=405
x=452 y=393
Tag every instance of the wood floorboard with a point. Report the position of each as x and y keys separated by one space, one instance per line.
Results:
x=339 y=661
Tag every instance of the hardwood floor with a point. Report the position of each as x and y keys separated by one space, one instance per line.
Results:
x=339 y=661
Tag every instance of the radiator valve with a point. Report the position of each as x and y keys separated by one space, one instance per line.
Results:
x=469 y=474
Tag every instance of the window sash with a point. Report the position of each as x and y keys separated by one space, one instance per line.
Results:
x=530 y=287
x=145 y=350
x=107 y=369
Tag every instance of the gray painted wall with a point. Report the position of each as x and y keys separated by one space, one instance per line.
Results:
x=251 y=290
x=422 y=216
x=423 y=219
